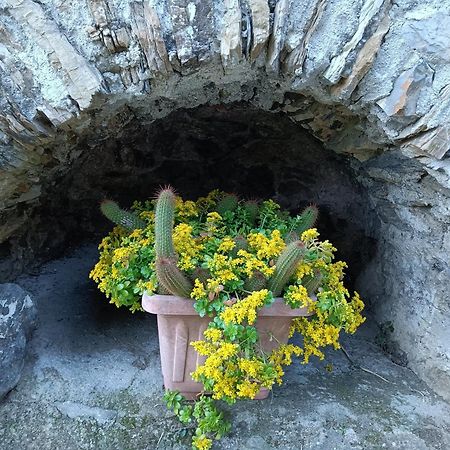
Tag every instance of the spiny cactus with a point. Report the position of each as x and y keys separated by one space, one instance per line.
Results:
x=240 y=244
x=256 y=282
x=312 y=282
x=161 y=290
x=291 y=237
x=172 y=278
x=202 y=274
x=285 y=266
x=228 y=203
x=307 y=219
x=252 y=209
x=164 y=220
x=119 y=216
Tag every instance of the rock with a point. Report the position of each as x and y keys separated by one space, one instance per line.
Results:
x=75 y=410
x=17 y=321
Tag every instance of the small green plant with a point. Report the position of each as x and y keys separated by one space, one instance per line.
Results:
x=232 y=258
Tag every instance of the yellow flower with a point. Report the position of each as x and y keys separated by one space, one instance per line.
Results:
x=226 y=245
x=201 y=442
x=248 y=389
x=246 y=309
x=186 y=246
x=266 y=247
x=213 y=217
x=213 y=334
x=186 y=209
x=198 y=292
x=309 y=235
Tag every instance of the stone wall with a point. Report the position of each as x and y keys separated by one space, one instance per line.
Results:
x=369 y=78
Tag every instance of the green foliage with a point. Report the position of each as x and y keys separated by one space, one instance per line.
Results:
x=208 y=421
x=285 y=266
x=119 y=216
x=172 y=278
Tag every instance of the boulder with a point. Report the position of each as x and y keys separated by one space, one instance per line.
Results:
x=18 y=317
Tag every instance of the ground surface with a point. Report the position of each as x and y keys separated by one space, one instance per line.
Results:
x=92 y=381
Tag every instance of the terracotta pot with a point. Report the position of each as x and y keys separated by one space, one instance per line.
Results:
x=179 y=324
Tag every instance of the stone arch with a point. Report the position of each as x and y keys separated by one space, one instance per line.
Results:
x=369 y=79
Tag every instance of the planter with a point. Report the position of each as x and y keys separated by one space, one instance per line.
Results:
x=179 y=324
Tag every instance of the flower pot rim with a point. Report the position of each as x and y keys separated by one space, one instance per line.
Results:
x=172 y=305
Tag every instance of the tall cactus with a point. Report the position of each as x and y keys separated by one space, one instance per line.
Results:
x=256 y=282
x=228 y=203
x=169 y=275
x=240 y=243
x=312 y=282
x=252 y=209
x=202 y=274
x=285 y=266
x=172 y=278
x=307 y=219
x=120 y=216
x=164 y=221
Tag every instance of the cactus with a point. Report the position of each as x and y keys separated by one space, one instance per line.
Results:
x=202 y=274
x=252 y=210
x=312 y=282
x=307 y=219
x=121 y=217
x=291 y=237
x=161 y=290
x=240 y=244
x=228 y=203
x=285 y=266
x=172 y=278
x=256 y=282
x=164 y=220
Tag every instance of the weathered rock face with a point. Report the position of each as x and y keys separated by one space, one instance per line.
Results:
x=17 y=320
x=369 y=79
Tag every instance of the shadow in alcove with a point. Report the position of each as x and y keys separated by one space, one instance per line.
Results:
x=235 y=148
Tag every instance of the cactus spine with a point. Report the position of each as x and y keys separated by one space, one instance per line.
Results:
x=312 y=282
x=252 y=210
x=228 y=203
x=307 y=219
x=240 y=244
x=256 y=282
x=285 y=266
x=172 y=278
x=202 y=274
x=164 y=220
x=121 y=217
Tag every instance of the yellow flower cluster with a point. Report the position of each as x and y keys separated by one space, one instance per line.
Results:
x=186 y=246
x=316 y=334
x=303 y=269
x=248 y=262
x=226 y=245
x=266 y=247
x=198 y=290
x=186 y=209
x=221 y=269
x=201 y=442
x=282 y=356
x=245 y=309
x=297 y=296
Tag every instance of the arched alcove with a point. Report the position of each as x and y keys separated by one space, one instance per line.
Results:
x=113 y=100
